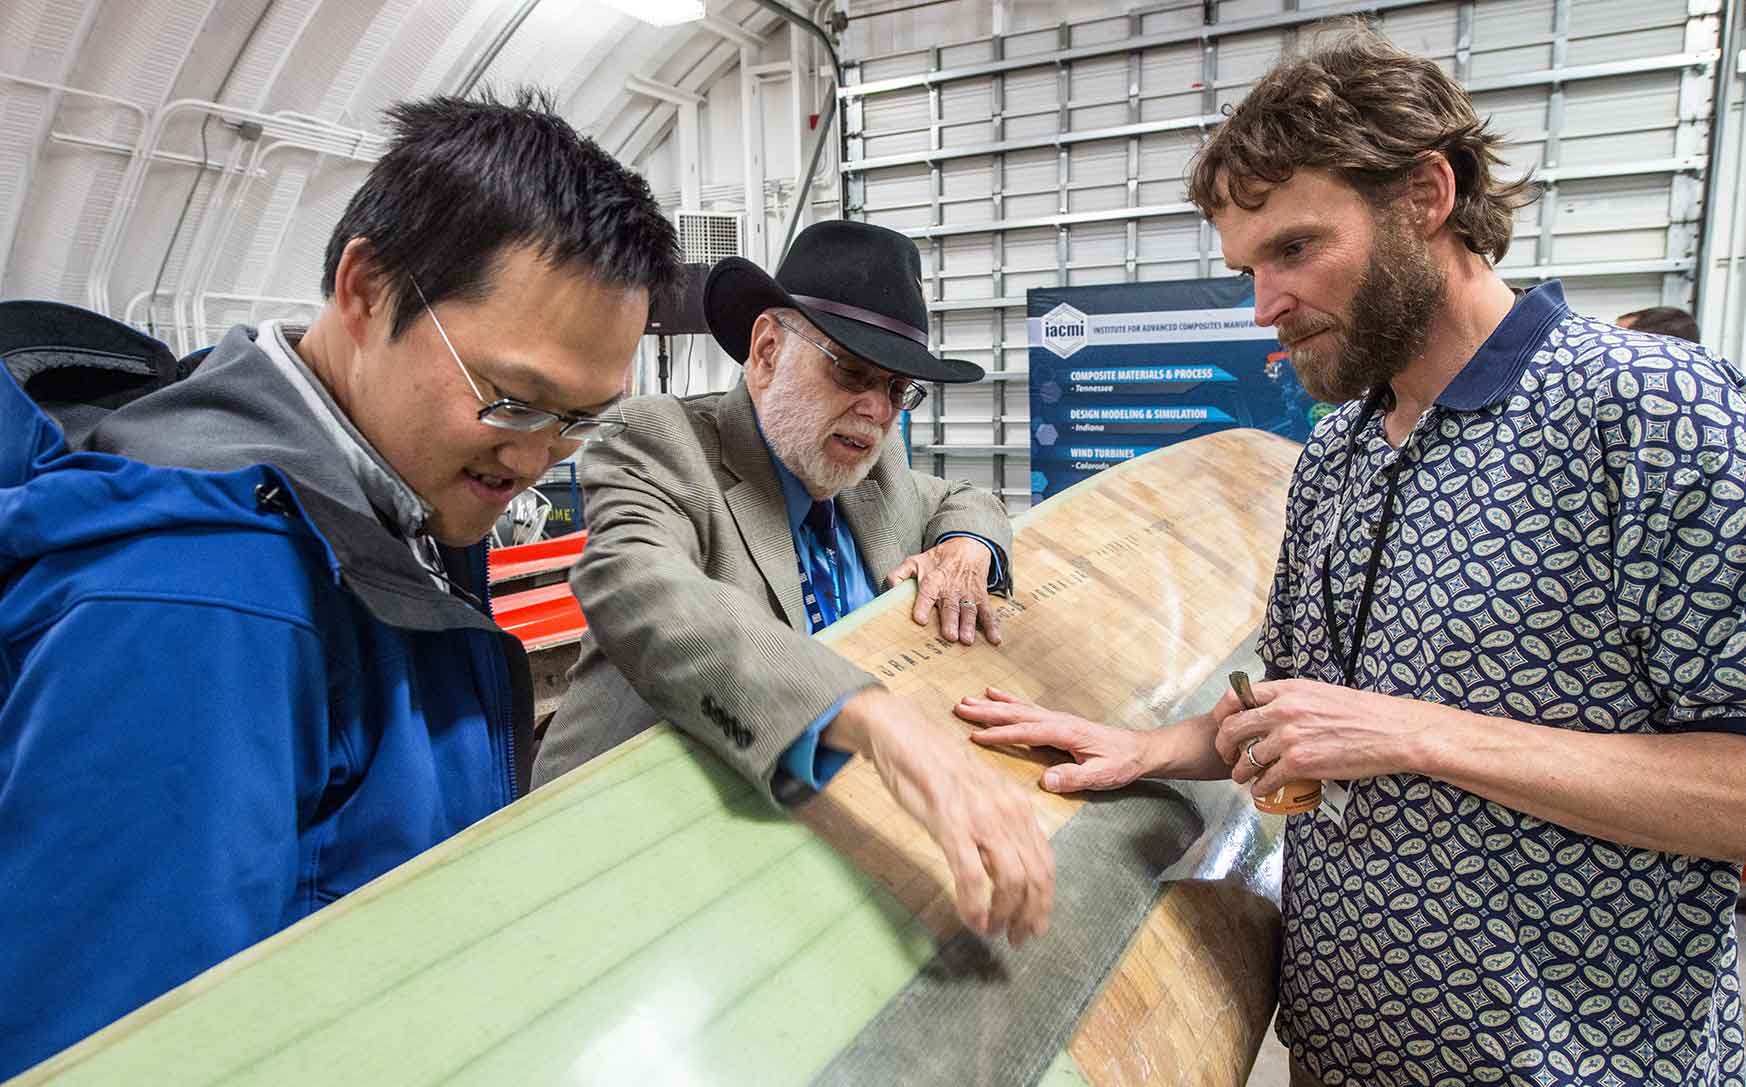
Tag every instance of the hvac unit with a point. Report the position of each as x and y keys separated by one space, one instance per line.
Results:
x=707 y=236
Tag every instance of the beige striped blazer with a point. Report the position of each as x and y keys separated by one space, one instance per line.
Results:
x=691 y=585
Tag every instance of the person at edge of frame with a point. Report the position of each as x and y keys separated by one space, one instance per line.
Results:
x=1505 y=629
x=246 y=657
x=726 y=528
x=1663 y=320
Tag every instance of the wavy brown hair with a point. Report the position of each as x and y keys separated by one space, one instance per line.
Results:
x=1369 y=112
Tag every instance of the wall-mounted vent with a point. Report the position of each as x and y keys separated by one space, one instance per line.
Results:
x=707 y=236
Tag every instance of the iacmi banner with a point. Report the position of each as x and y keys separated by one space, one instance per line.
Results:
x=1123 y=369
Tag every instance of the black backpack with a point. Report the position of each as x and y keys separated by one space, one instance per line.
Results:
x=79 y=366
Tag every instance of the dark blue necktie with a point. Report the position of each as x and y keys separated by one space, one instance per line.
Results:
x=820 y=567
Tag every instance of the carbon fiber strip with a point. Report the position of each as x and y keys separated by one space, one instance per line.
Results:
x=980 y=1013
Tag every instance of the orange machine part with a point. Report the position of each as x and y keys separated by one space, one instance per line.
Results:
x=548 y=615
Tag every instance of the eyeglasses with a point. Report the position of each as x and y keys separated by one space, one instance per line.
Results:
x=508 y=413
x=905 y=395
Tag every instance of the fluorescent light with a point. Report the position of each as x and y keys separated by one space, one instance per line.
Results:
x=660 y=12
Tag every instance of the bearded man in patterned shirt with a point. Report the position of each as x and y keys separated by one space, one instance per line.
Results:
x=1505 y=630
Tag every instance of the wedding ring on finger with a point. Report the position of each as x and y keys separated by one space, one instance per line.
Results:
x=1249 y=750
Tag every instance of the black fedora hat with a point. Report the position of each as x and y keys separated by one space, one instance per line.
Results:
x=859 y=283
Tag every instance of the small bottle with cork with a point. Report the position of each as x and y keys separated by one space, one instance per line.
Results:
x=1292 y=798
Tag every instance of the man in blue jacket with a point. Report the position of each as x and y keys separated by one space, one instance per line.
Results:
x=246 y=659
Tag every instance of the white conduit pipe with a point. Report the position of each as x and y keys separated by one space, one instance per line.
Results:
x=56 y=88
x=198 y=273
x=201 y=243
x=1736 y=230
x=64 y=89
x=9 y=228
x=315 y=135
x=131 y=315
x=202 y=290
x=361 y=147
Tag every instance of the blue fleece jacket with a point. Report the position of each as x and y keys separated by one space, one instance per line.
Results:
x=207 y=731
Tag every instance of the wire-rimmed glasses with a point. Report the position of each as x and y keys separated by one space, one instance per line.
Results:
x=905 y=394
x=508 y=413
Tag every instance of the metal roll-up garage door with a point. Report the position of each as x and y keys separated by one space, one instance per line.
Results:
x=1055 y=157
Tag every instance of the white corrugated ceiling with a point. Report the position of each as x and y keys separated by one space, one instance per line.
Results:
x=95 y=175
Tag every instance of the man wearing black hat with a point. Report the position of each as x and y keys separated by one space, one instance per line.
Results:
x=724 y=529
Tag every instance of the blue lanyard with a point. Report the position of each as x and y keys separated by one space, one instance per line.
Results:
x=825 y=590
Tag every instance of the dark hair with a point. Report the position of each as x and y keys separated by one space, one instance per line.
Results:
x=1369 y=112
x=465 y=178
x=1666 y=320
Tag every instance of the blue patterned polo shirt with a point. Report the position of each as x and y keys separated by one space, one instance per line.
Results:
x=1567 y=546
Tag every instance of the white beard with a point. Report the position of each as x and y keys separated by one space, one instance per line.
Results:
x=797 y=429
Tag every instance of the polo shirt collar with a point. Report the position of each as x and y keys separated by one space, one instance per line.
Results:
x=1496 y=368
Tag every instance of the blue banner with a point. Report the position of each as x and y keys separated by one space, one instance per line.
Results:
x=1123 y=369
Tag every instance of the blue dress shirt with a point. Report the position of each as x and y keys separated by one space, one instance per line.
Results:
x=807 y=760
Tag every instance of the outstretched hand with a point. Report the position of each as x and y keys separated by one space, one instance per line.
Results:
x=1003 y=869
x=1104 y=757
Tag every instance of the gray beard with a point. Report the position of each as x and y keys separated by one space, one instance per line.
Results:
x=797 y=431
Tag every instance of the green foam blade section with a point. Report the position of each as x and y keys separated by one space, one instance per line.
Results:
x=653 y=923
